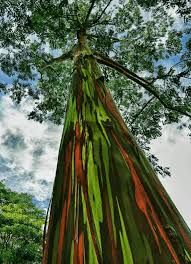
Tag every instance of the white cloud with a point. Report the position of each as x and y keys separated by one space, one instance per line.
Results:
x=178 y=20
x=22 y=163
x=174 y=151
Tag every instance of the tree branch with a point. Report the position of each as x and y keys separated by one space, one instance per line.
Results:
x=141 y=110
x=105 y=22
x=97 y=36
x=61 y=58
x=170 y=72
x=89 y=11
x=100 y=16
x=139 y=80
x=115 y=65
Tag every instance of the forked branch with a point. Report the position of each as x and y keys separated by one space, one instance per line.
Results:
x=61 y=58
x=139 y=80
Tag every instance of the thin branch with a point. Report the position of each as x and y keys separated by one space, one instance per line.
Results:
x=139 y=80
x=142 y=109
x=183 y=73
x=186 y=77
x=61 y=58
x=89 y=11
x=113 y=64
x=97 y=36
x=100 y=16
x=169 y=73
x=106 y=22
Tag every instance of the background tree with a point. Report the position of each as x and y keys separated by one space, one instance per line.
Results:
x=20 y=228
x=133 y=41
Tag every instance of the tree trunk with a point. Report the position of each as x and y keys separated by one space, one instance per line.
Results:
x=108 y=205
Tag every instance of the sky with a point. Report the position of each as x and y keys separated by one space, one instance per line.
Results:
x=28 y=150
x=173 y=149
x=28 y=156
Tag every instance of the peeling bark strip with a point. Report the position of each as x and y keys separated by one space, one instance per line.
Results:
x=108 y=205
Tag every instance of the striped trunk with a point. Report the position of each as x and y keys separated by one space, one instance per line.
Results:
x=108 y=205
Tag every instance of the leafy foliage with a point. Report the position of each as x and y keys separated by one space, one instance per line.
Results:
x=183 y=7
x=20 y=228
x=140 y=35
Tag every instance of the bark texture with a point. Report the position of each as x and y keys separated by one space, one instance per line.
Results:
x=108 y=205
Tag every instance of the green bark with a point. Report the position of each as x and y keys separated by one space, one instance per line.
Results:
x=108 y=205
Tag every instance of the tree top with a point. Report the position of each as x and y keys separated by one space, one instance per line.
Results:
x=148 y=57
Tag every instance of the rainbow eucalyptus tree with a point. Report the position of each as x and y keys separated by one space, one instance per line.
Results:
x=108 y=205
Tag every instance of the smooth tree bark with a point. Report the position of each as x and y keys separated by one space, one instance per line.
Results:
x=108 y=205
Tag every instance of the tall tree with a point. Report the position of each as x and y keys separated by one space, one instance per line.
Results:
x=108 y=205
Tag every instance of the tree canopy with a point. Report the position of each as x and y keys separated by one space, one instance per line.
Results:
x=20 y=228
x=183 y=7
x=37 y=38
x=145 y=58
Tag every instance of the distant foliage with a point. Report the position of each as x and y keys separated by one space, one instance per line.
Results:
x=20 y=228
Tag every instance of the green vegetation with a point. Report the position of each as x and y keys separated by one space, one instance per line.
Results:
x=20 y=228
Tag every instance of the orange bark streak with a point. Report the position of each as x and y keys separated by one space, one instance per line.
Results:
x=144 y=203
x=78 y=156
x=61 y=235
x=75 y=258
x=81 y=249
